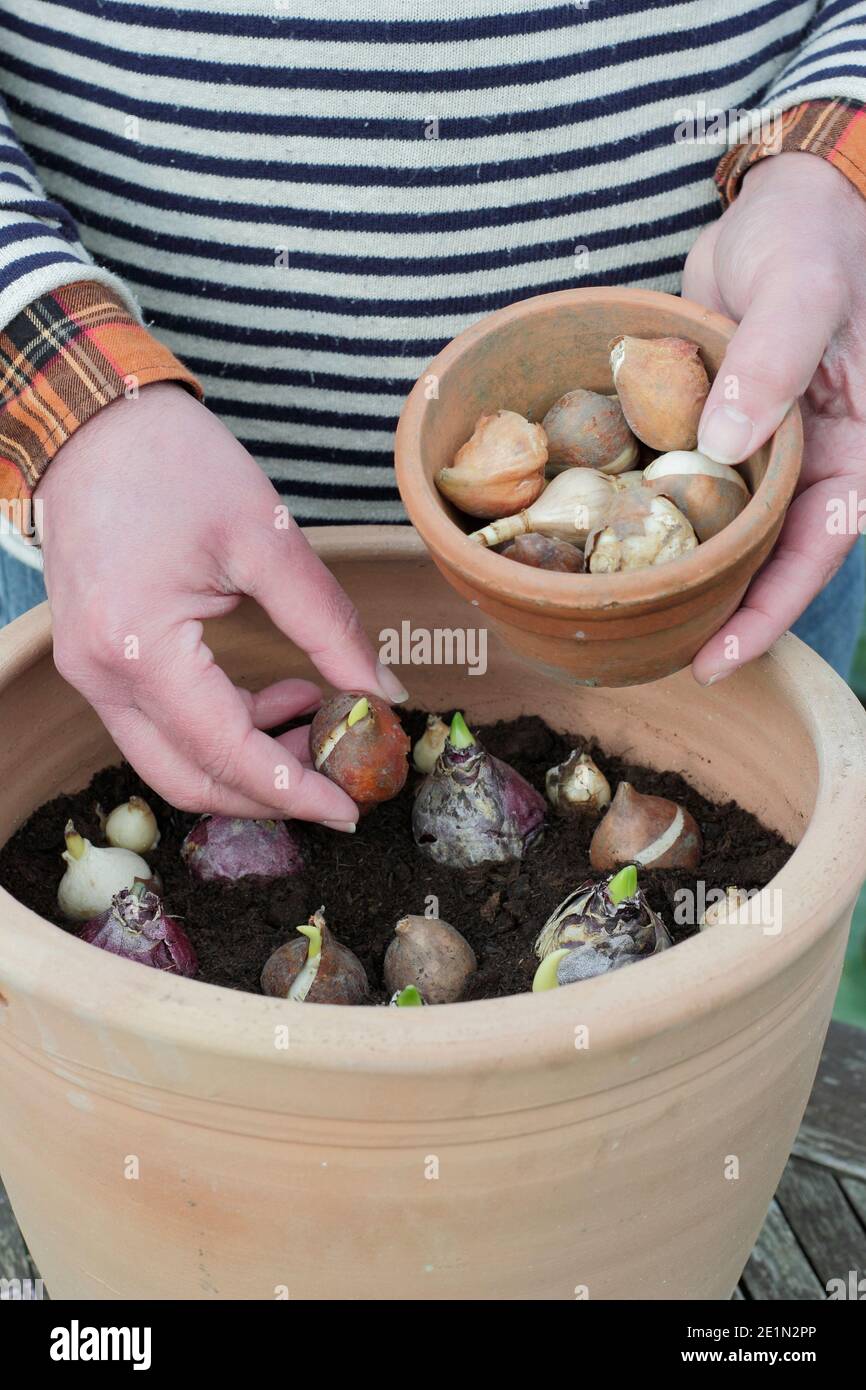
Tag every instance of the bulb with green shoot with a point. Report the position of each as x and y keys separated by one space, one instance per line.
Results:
x=408 y=998
x=603 y=925
x=315 y=968
x=473 y=808
x=358 y=742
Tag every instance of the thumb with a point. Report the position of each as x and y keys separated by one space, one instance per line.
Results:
x=770 y=362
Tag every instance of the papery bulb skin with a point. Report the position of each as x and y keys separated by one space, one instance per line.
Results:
x=94 y=875
x=641 y=531
x=721 y=912
x=132 y=825
x=315 y=968
x=430 y=744
x=662 y=385
x=574 y=503
x=710 y=495
x=605 y=930
x=577 y=787
x=588 y=430
x=137 y=927
x=228 y=848
x=433 y=956
x=646 y=830
x=545 y=553
x=500 y=469
x=358 y=742
x=473 y=808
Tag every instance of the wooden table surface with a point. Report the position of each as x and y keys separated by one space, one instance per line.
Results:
x=815 y=1230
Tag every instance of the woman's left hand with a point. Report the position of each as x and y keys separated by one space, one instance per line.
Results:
x=788 y=261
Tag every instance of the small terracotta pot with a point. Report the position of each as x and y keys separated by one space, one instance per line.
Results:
x=619 y=629
x=160 y=1141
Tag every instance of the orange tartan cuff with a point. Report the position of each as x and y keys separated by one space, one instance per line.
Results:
x=834 y=130
x=62 y=359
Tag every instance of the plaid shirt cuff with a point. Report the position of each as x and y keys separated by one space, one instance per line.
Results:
x=835 y=130
x=62 y=359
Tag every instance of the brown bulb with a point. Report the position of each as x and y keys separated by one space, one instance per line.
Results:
x=646 y=830
x=587 y=430
x=662 y=385
x=433 y=956
x=314 y=968
x=545 y=553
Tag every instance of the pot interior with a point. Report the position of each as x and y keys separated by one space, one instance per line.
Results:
x=741 y=739
x=527 y=362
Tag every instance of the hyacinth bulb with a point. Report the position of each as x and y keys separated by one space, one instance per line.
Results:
x=601 y=926
x=137 y=927
x=474 y=808
x=93 y=876
x=500 y=469
x=227 y=848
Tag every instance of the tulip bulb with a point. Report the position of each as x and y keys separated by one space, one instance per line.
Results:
x=358 y=742
x=573 y=504
x=430 y=744
x=587 y=430
x=709 y=494
x=662 y=385
x=545 y=553
x=315 y=968
x=639 y=532
x=721 y=912
x=132 y=826
x=646 y=830
x=93 y=876
x=433 y=956
x=500 y=469
x=577 y=787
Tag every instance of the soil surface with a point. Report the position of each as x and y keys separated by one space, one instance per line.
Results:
x=368 y=881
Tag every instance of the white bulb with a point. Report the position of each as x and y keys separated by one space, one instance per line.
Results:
x=93 y=876
x=132 y=826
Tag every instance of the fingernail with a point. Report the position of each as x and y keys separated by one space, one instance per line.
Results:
x=390 y=685
x=347 y=826
x=726 y=435
x=719 y=676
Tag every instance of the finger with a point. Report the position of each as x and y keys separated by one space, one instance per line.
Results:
x=297 y=741
x=699 y=276
x=171 y=775
x=806 y=557
x=769 y=363
x=284 y=700
x=299 y=593
x=194 y=704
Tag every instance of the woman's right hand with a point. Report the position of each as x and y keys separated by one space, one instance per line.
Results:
x=154 y=519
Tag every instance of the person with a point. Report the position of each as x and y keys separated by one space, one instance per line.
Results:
x=306 y=203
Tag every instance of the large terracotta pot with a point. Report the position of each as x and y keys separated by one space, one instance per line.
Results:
x=618 y=629
x=471 y=1151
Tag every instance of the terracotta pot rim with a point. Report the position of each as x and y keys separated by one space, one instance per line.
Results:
x=667 y=586
x=630 y=1004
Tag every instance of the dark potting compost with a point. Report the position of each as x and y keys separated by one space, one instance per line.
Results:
x=368 y=881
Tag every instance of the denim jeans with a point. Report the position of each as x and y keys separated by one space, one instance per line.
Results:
x=830 y=625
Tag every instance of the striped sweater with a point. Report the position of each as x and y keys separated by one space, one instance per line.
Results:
x=303 y=203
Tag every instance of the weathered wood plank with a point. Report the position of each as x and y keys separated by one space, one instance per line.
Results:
x=829 y=1232
x=15 y=1261
x=777 y=1268
x=855 y=1191
x=833 y=1132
